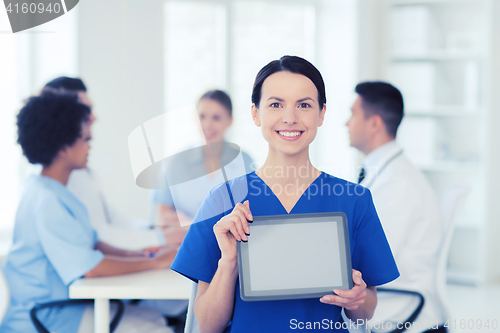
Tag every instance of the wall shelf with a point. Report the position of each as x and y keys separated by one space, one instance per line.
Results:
x=440 y=54
x=444 y=111
x=430 y=2
x=452 y=167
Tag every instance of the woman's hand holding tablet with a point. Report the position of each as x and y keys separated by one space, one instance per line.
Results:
x=233 y=227
x=359 y=302
x=348 y=299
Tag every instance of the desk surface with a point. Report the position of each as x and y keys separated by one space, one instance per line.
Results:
x=153 y=284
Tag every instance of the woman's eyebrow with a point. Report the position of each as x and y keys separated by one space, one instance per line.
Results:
x=305 y=99
x=276 y=98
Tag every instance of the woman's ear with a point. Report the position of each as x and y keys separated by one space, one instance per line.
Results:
x=62 y=154
x=322 y=115
x=255 y=115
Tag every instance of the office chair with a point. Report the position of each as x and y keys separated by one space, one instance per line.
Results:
x=41 y=329
x=191 y=322
x=4 y=296
x=417 y=302
x=453 y=198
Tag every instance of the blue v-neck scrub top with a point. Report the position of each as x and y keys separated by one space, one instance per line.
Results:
x=53 y=245
x=370 y=252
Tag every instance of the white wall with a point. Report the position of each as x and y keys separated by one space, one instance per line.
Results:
x=336 y=58
x=121 y=61
x=492 y=232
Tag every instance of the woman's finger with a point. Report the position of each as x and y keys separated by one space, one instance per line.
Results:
x=243 y=221
x=239 y=227
x=351 y=293
x=340 y=301
x=247 y=204
x=245 y=208
x=234 y=231
x=357 y=277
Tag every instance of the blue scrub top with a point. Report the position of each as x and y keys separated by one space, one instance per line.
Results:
x=53 y=245
x=370 y=252
x=193 y=196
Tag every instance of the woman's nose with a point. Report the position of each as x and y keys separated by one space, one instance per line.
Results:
x=289 y=116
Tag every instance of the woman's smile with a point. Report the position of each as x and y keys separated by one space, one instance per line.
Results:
x=290 y=135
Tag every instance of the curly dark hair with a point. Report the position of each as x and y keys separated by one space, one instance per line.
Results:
x=67 y=83
x=49 y=122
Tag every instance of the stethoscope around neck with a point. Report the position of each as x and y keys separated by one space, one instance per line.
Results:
x=393 y=157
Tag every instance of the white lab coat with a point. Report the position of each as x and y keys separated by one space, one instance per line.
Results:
x=409 y=213
x=112 y=226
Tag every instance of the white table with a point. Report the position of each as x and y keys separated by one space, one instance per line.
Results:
x=153 y=284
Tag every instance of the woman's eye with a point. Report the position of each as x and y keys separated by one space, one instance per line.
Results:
x=305 y=105
x=202 y=116
x=275 y=105
x=216 y=118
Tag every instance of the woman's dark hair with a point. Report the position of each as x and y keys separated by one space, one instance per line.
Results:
x=49 y=122
x=221 y=97
x=67 y=83
x=383 y=99
x=290 y=64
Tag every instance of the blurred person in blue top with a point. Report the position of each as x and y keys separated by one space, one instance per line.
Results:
x=112 y=225
x=54 y=243
x=215 y=112
x=289 y=104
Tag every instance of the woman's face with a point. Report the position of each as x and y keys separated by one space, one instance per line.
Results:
x=77 y=154
x=215 y=119
x=289 y=112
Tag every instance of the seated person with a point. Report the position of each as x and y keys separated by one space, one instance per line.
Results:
x=216 y=116
x=54 y=243
x=405 y=202
x=112 y=226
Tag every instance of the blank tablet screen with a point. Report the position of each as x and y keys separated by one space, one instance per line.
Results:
x=295 y=256
x=298 y=251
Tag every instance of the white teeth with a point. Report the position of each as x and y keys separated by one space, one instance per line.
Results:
x=290 y=134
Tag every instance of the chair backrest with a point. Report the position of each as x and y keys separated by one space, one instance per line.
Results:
x=4 y=296
x=191 y=323
x=453 y=197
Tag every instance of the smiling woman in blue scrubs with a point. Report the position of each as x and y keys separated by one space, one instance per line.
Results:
x=54 y=243
x=289 y=104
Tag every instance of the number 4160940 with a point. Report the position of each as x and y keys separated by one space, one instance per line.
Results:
x=472 y=324
x=33 y=8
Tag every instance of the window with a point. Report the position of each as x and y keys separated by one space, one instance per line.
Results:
x=228 y=42
x=28 y=60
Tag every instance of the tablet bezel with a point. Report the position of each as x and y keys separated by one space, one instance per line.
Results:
x=247 y=294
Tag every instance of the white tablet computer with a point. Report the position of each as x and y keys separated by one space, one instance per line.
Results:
x=295 y=256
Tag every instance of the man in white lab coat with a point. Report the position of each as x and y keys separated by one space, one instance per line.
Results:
x=405 y=202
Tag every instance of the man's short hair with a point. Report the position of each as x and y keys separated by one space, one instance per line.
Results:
x=383 y=99
x=48 y=123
